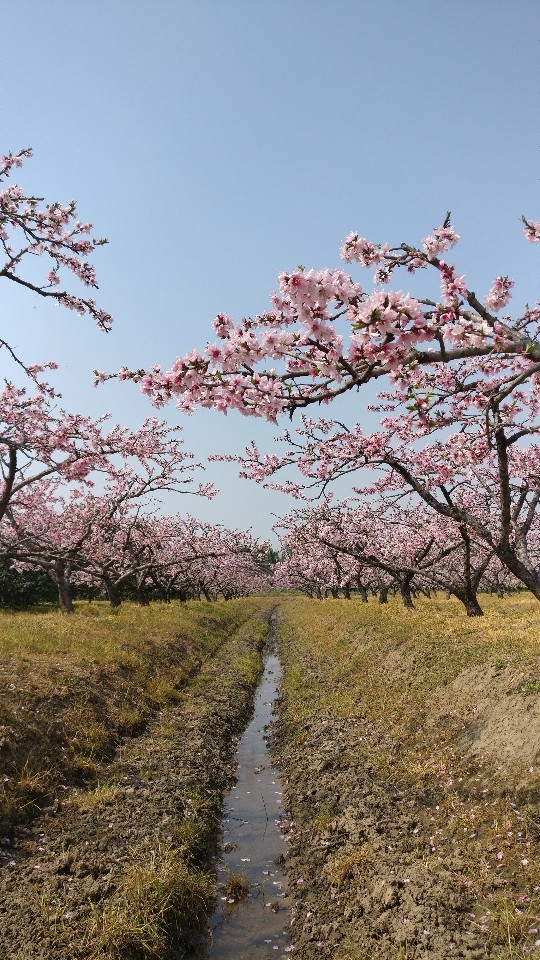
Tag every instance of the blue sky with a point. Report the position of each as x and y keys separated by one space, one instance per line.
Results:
x=217 y=143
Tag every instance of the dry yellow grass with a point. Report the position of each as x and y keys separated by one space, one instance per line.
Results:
x=75 y=685
x=429 y=682
x=161 y=897
x=97 y=633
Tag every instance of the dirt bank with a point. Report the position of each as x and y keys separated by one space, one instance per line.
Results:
x=411 y=775
x=118 y=867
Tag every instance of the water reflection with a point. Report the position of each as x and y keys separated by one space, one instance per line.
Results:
x=253 y=848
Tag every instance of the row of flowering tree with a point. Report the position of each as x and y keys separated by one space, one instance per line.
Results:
x=349 y=549
x=75 y=492
x=460 y=382
x=460 y=393
x=77 y=505
x=109 y=544
x=52 y=518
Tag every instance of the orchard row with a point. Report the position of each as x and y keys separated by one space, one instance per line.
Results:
x=446 y=490
x=78 y=494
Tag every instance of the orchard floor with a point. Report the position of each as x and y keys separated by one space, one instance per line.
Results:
x=117 y=863
x=409 y=743
x=409 y=748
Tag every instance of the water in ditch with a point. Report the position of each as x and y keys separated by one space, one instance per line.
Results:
x=253 y=847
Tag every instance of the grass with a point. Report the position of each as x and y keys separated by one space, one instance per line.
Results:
x=323 y=818
x=159 y=899
x=249 y=667
x=22 y=795
x=413 y=679
x=98 y=796
x=162 y=890
x=76 y=685
x=349 y=865
x=350 y=951
x=533 y=686
x=98 y=633
x=236 y=887
x=370 y=654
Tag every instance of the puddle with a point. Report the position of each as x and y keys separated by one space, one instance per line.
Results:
x=255 y=927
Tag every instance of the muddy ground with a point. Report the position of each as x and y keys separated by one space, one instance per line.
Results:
x=361 y=881
x=69 y=885
x=396 y=852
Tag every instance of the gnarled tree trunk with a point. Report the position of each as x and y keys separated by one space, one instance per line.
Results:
x=60 y=575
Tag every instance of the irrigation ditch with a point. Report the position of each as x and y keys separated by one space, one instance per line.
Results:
x=379 y=800
x=119 y=865
x=251 y=917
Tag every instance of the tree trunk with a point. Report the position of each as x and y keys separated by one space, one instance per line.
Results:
x=140 y=590
x=140 y=593
x=113 y=592
x=466 y=592
x=61 y=579
x=473 y=608
x=470 y=602
x=405 y=590
x=383 y=595
x=508 y=556
x=362 y=593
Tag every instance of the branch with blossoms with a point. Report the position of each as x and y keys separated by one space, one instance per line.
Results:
x=54 y=232
x=451 y=364
x=292 y=355
x=38 y=441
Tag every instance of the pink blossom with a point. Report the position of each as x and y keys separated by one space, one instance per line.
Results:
x=531 y=229
x=499 y=294
x=362 y=250
x=444 y=237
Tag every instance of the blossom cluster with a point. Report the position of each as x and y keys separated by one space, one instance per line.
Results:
x=54 y=232
x=499 y=295
x=443 y=238
x=531 y=229
x=296 y=353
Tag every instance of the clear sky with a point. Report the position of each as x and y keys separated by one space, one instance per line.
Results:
x=217 y=142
